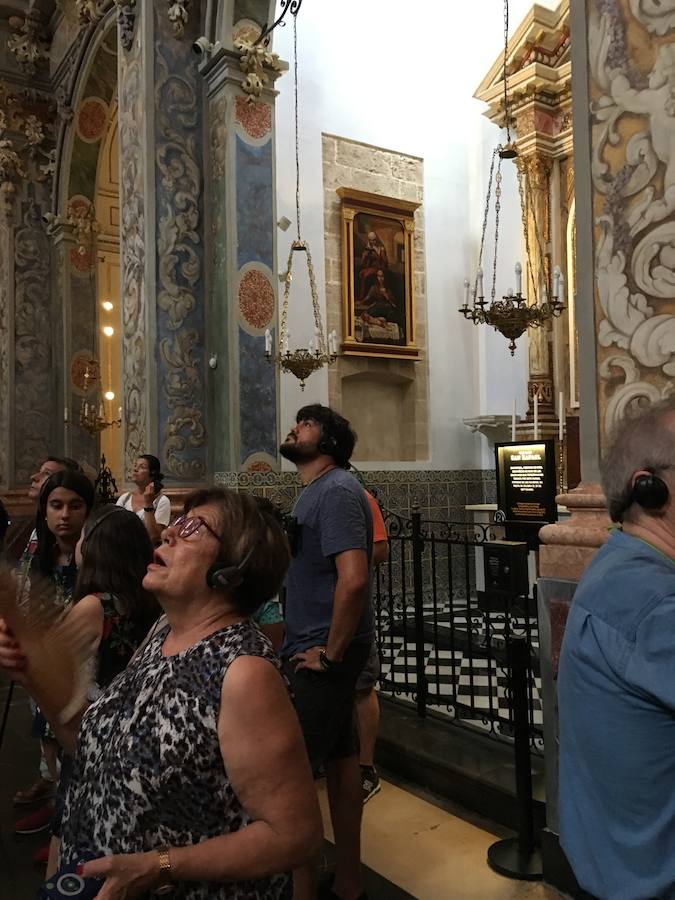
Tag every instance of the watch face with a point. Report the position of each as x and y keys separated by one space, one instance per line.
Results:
x=70 y=885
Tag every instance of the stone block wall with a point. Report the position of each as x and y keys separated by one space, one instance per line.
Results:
x=360 y=386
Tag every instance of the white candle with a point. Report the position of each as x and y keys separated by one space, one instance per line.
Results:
x=268 y=341
x=519 y=279
x=536 y=417
x=467 y=291
x=101 y=411
x=285 y=342
x=561 y=289
x=557 y=274
x=310 y=346
x=479 y=282
x=65 y=414
x=561 y=415
x=119 y=413
x=513 y=420
x=86 y=410
x=509 y=292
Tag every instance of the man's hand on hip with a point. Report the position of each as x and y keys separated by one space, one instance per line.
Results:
x=309 y=659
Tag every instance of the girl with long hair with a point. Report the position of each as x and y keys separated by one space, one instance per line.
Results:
x=110 y=612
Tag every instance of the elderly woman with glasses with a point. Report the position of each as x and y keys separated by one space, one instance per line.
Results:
x=191 y=776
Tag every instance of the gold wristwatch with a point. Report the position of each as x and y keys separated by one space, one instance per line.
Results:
x=165 y=883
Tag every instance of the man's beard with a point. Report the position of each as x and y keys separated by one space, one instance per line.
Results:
x=297 y=453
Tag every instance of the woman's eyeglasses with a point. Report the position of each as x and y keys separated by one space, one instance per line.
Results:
x=185 y=526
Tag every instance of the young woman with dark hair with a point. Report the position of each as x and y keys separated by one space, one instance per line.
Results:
x=66 y=497
x=110 y=610
x=151 y=506
x=65 y=501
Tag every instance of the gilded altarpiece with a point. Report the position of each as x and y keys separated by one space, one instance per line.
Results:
x=539 y=88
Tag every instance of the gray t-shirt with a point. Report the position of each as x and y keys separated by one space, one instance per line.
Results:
x=333 y=516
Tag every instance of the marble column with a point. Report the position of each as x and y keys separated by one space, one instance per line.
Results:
x=536 y=169
x=243 y=267
x=162 y=243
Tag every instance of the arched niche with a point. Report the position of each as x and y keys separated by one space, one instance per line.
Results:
x=381 y=409
x=83 y=176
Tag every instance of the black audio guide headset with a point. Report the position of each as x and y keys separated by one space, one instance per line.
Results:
x=221 y=576
x=326 y=443
x=650 y=491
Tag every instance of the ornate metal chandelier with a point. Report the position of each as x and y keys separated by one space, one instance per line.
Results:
x=321 y=348
x=513 y=314
x=91 y=417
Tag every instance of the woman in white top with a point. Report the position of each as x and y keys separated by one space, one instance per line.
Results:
x=147 y=500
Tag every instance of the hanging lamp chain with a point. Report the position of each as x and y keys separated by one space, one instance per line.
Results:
x=506 y=79
x=486 y=213
x=297 y=132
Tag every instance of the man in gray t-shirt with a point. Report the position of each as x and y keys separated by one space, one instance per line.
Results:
x=329 y=623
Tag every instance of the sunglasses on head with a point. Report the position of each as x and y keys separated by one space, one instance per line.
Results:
x=187 y=525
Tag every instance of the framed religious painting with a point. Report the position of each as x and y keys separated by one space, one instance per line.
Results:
x=377 y=275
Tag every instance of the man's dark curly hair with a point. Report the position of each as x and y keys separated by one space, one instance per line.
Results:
x=337 y=436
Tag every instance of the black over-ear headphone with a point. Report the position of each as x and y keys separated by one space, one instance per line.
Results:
x=221 y=576
x=650 y=491
x=327 y=443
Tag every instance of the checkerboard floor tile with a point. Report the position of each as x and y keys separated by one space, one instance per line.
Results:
x=464 y=676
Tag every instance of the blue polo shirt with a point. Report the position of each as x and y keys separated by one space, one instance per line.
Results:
x=616 y=696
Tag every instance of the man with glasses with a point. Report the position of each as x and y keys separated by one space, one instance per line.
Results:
x=329 y=625
x=616 y=682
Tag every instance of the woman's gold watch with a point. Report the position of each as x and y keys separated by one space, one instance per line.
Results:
x=165 y=885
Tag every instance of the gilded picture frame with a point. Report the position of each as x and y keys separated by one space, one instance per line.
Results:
x=378 y=285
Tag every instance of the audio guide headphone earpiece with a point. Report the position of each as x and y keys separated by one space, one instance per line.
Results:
x=327 y=443
x=650 y=491
x=221 y=575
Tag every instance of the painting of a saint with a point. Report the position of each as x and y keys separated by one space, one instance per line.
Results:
x=379 y=280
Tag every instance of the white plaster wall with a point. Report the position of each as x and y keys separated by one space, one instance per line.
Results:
x=401 y=76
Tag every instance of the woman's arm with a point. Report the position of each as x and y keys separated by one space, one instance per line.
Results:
x=155 y=519
x=264 y=754
x=85 y=622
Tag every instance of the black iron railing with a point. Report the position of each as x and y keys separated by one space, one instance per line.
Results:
x=442 y=639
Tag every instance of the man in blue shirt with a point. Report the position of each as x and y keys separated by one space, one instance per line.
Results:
x=329 y=626
x=616 y=683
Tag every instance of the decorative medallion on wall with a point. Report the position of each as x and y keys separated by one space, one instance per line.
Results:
x=91 y=120
x=254 y=118
x=245 y=29
x=257 y=466
x=84 y=371
x=256 y=299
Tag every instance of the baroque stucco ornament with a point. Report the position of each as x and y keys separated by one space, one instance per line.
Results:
x=635 y=246
x=89 y=11
x=27 y=45
x=28 y=135
x=178 y=15
x=255 y=59
x=126 y=22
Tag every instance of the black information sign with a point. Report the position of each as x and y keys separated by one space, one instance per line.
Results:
x=526 y=482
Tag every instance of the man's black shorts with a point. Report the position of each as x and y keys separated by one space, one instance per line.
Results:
x=325 y=705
